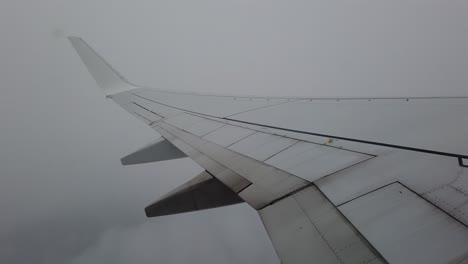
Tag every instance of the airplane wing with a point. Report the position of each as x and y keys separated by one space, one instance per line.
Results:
x=334 y=180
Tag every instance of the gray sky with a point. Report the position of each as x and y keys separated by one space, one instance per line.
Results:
x=64 y=196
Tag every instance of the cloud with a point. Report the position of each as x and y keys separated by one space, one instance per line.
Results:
x=225 y=235
x=231 y=234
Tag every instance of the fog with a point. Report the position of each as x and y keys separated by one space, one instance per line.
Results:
x=65 y=197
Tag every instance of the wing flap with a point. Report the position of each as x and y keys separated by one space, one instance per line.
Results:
x=272 y=182
x=407 y=229
x=159 y=150
x=306 y=226
x=305 y=160
x=202 y=192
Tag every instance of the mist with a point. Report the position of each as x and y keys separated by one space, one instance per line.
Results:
x=65 y=197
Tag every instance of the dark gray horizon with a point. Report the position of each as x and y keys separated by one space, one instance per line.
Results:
x=65 y=197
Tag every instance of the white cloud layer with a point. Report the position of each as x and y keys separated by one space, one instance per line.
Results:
x=223 y=235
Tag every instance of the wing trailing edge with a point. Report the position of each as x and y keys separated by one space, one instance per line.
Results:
x=202 y=192
x=159 y=150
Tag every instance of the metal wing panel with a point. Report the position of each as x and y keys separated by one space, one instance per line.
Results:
x=407 y=229
x=451 y=200
x=420 y=171
x=162 y=110
x=262 y=146
x=196 y=125
x=461 y=182
x=312 y=161
x=142 y=109
x=452 y=197
x=144 y=113
x=183 y=121
x=293 y=235
x=203 y=127
x=231 y=179
x=369 y=149
x=273 y=182
x=345 y=241
x=306 y=160
x=216 y=105
x=228 y=135
x=390 y=121
x=306 y=227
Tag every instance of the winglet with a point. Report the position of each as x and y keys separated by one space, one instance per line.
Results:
x=106 y=77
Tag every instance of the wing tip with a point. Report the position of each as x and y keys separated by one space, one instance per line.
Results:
x=107 y=78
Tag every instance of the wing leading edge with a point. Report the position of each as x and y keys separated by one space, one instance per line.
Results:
x=335 y=180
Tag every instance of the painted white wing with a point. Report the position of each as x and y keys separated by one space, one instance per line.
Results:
x=335 y=180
